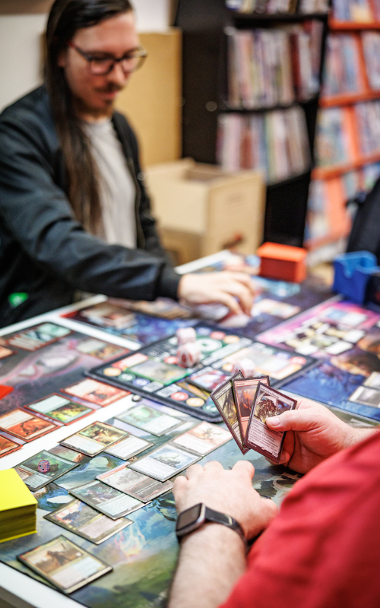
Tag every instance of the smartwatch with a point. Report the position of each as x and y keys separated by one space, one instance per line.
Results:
x=195 y=517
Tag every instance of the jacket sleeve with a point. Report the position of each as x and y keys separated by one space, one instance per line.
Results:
x=38 y=215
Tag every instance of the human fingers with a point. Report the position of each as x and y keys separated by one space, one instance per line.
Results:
x=225 y=298
x=245 y=280
x=213 y=465
x=179 y=488
x=244 y=469
x=242 y=293
x=295 y=420
x=194 y=471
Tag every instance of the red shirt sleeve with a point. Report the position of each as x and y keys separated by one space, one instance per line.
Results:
x=323 y=549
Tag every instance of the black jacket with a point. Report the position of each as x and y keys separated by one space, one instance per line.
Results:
x=44 y=250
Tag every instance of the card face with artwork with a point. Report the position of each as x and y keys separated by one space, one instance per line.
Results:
x=373 y=381
x=64 y=564
x=128 y=447
x=203 y=438
x=366 y=396
x=79 y=518
x=165 y=462
x=94 y=438
x=60 y=409
x=147 y=418
x=34 y=479
x=107 y=500
x=135 y=484
x=38 y=336
x=7 y=446
x=268 y=402
x=224 y=399
x=208 y=378
x=95 y=392
x=245 y=391
x=25 y=426
x=99 y=349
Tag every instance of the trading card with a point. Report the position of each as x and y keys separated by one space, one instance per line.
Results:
x=268 y=402
x=7 y=446
x=94 y=438
x=36 y=337
x=64 y=564
x=135 y=484
x=60 y=409
x=67 y=454
x=223 y=397
x=162 y=307
x=5 y=352
x=245 y=391
x=164 y=462
x=79 y=518
x=338 y=347
x=128 y=447
x=366 y=396
x=25 y=426
x=107 y=500
x=373 y=380
x=29 y=473
x=109 y=315
x=100 y=350
x=95 y=392
x=149 y=419
x=203 y=438
x=351 y=318
x=159 y=371
x=208 y=378
x=274 y=308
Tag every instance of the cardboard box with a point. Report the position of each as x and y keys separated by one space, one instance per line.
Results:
x=202 y=209
x=282 y=262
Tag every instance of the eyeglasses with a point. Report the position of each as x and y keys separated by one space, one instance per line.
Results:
x=101 y=66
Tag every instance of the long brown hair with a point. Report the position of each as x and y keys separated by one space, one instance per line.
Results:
x=66 y=17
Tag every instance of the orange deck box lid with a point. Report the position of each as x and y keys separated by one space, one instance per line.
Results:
x=281 y=252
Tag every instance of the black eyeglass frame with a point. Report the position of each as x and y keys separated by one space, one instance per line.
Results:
x=140 y=54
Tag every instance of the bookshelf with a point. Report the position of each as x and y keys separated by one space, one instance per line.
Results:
x=283 y=120
x=336 y=178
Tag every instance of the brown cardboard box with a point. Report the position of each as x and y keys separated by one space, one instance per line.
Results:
x=201 y=209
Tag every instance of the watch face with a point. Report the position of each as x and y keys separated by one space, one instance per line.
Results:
x=188 y=517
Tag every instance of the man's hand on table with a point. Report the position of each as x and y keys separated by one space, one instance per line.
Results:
x=233 y=289
x=313 y=434
x=228 y=491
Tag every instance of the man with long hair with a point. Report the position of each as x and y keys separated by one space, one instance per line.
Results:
x=74 y=211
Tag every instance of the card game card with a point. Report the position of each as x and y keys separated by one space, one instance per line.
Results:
x=94 y=438
x=128 y=447
x=60 y=409
x=203 y=438
x=64 y=564
x=366 y=396
x=223 y=397
x=5 y=352
x=164 y=462
x=36 y=337
x=95 y=392
x=373 y=380
x=99 y=349
x=245 y=391
x=25 y=426
x=208 y=378
x=135 y=484
x=105 y=499
x=268 y=402
x=79 y=518
x=34 y=479
x=147 y=418
x=7 y=446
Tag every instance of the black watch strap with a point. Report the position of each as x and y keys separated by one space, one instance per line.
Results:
x=200 y=514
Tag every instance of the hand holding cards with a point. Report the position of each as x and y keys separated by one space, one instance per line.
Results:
x=245 y=404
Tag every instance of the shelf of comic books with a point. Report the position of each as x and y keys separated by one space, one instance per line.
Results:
x=350 y=13
x=273 y=8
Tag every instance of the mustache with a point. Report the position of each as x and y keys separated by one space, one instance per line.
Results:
x=110 y=88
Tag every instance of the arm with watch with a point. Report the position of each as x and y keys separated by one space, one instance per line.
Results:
x=219 y=513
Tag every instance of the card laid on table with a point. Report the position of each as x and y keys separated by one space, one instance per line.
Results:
x=147 y=418
x=164 y=462
x=34 y=478
x=245 y=391
x=64 y=564
x=25 y=426
x=94 y=438
x=203 y=438
x=268 y=402
x=223 y=397
x=60 y=409
x=105 y=499
x=135 y=484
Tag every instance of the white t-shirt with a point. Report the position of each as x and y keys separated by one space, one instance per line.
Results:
x=117 y=189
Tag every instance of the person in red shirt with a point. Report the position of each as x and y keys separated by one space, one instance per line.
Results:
x=321 y=550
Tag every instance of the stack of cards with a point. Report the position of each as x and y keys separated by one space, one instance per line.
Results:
x=245 y=404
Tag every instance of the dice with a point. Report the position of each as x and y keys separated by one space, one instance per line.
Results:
x=188 y=354
x=245 y=366
x=185 y=335
x=43 y=466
